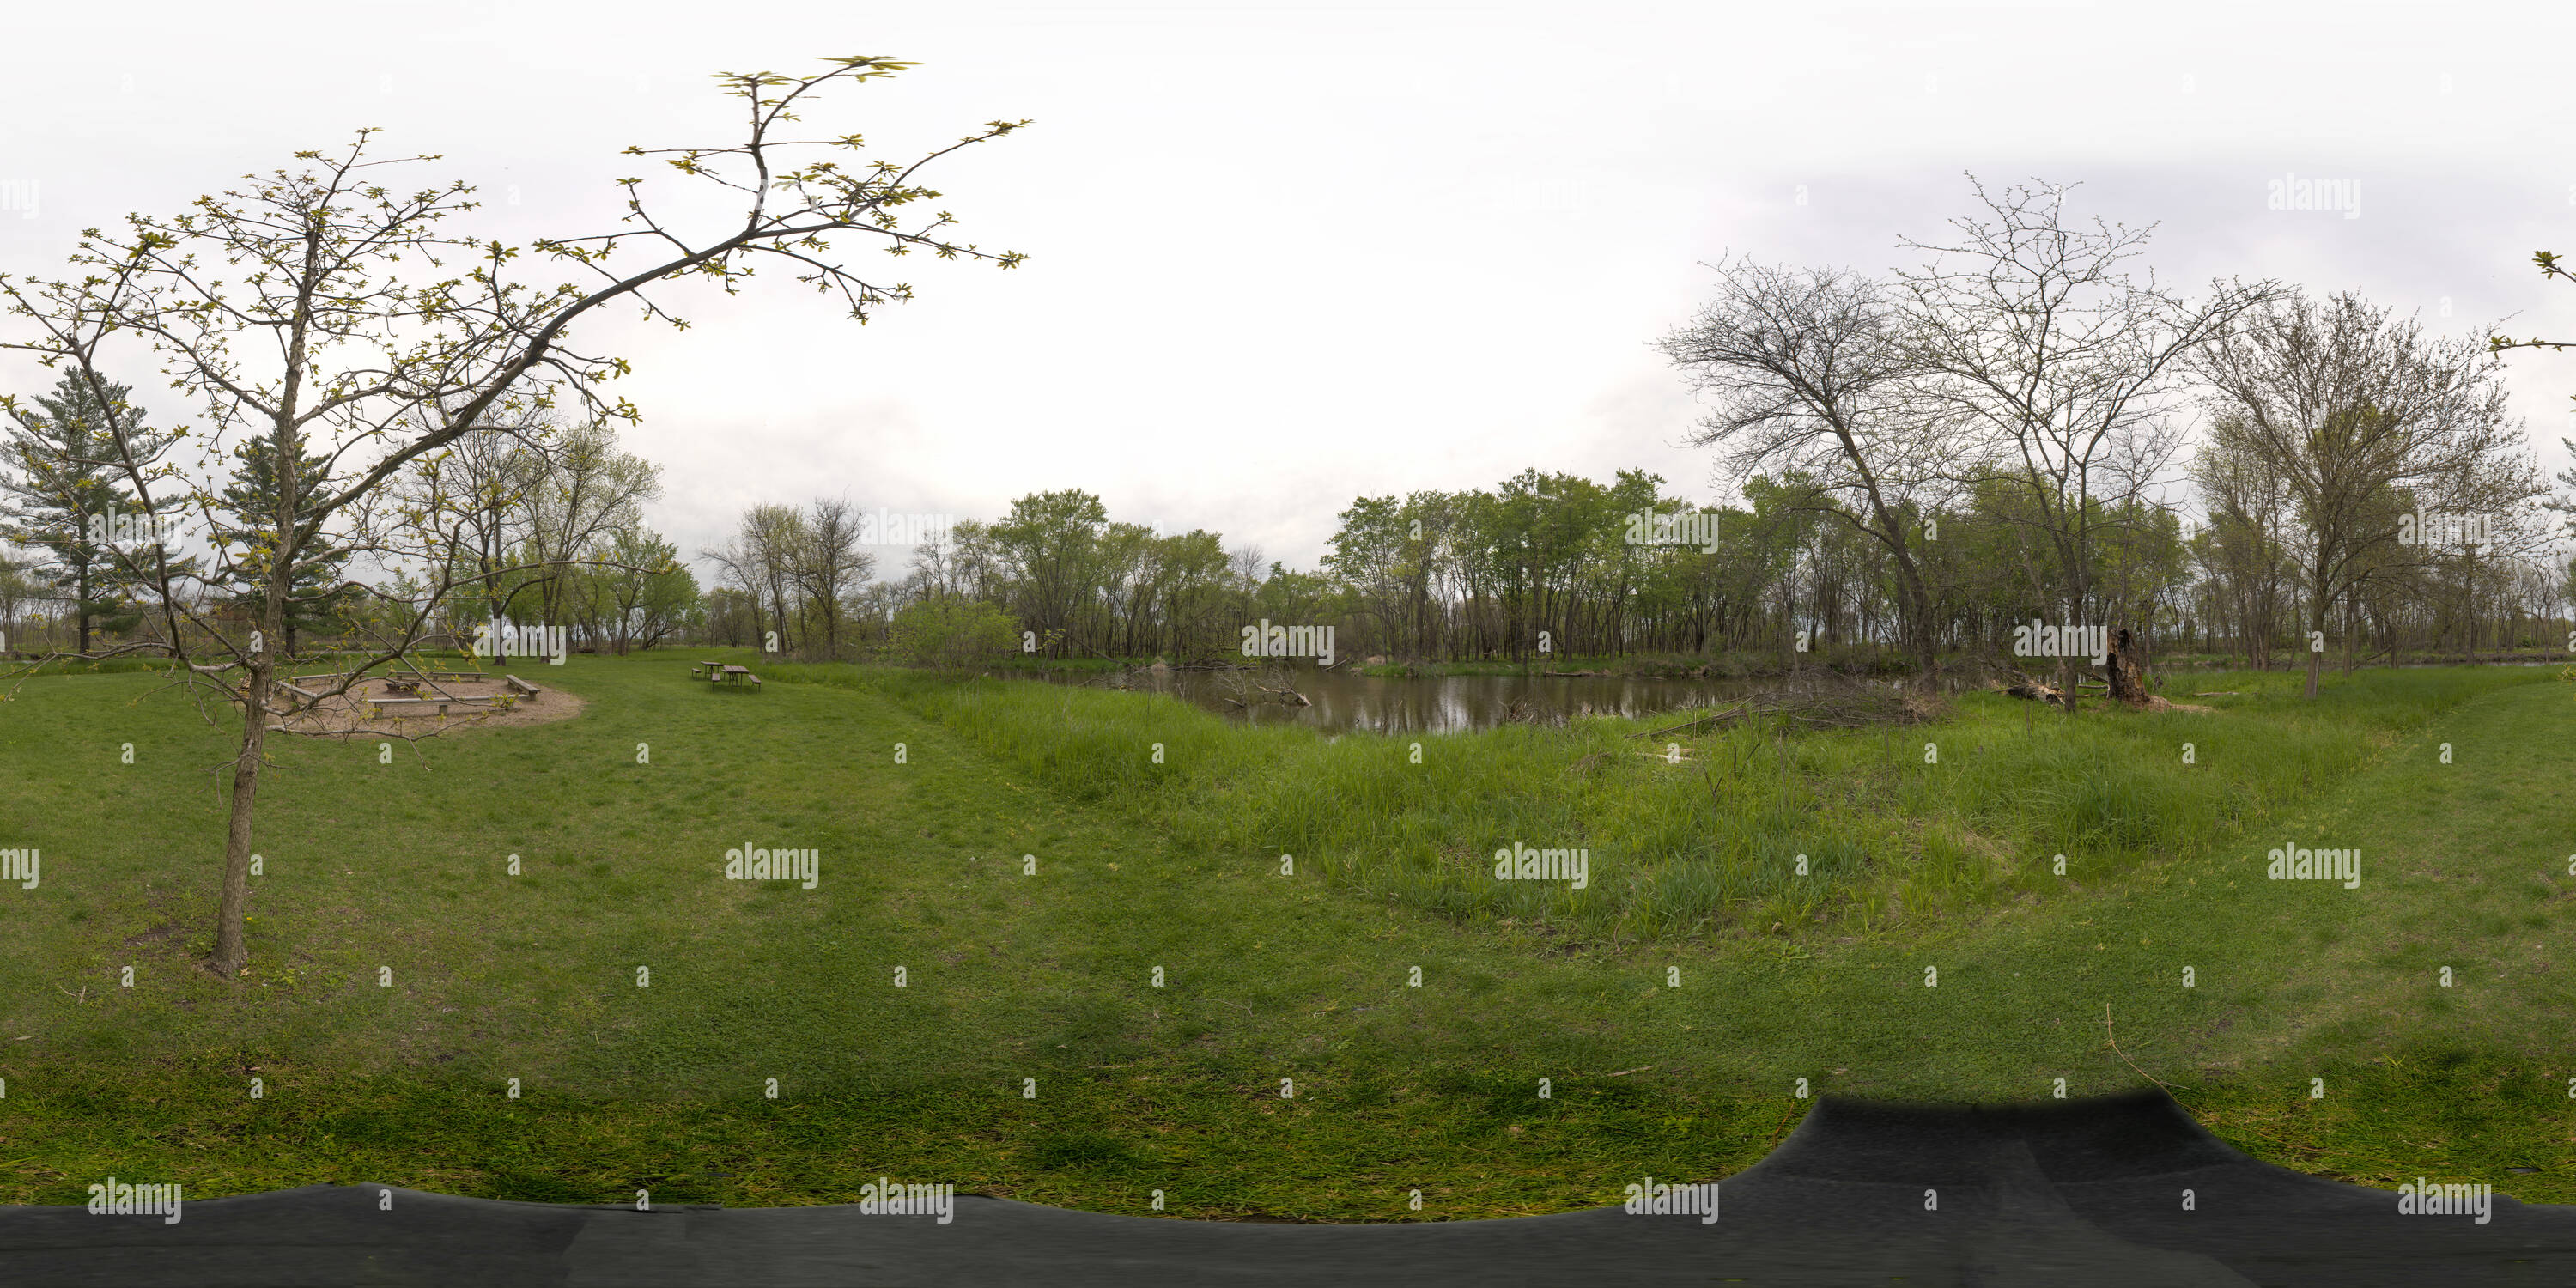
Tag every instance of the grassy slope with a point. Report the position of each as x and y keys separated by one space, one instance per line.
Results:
x=1267 y=977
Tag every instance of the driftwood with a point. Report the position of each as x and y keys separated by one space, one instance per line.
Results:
x=1284 y=692
x=2034 y=690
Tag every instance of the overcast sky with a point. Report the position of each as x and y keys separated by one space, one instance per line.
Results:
x=1284 y=255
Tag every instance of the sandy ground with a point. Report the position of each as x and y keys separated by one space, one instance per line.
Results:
x=350 y=713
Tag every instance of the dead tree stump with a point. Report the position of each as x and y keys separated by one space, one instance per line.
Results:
x=2128 y=668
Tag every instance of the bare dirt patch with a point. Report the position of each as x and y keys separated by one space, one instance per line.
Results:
x=375 y=706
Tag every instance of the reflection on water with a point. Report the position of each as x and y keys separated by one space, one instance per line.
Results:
x=1345 y=702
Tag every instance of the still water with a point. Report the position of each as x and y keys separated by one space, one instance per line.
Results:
x=1346 y=702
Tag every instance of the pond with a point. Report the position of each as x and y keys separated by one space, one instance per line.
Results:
x=1348 y=702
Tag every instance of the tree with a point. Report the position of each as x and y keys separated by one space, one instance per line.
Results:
x=63 y=471
x=339 y=336
x=643 y=591
x=16 y=589
x=1046 y=547
x=1811 y=377
x=252 y=503
x=2246 y=563
x=578 y=488
x=827 y=564
x=474 y=496
x=760 y=561
x=953 y=634
x=2058 y=370
x=2350 y=405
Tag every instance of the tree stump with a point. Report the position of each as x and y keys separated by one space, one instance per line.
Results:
x=2128 y=668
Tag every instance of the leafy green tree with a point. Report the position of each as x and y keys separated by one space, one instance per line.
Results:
x=1048 y=548
x=638 y=589
x=953 y=634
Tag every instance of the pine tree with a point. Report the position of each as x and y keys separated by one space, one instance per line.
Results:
x=60 y=468
x=252 y=501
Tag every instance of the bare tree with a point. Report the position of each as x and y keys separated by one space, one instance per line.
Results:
x=2060 y=371
x=2352 y=406
x=1810 y=376
x=828 y=564
x=315 y=311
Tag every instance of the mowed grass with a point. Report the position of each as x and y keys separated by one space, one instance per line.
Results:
x=1013 y=978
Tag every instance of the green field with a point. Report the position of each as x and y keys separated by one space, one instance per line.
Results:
x=1011 y=976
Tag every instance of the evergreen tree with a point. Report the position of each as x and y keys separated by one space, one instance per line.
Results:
x=252 y=500
x=60 y=469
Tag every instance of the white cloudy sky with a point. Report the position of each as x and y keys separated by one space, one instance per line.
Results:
x=1287 y=254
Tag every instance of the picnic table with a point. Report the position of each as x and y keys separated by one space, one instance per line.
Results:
x=728 y=674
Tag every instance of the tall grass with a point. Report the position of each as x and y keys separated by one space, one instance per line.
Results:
x=1711 y=844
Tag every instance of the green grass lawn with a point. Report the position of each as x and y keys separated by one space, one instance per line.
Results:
x=1011 y=977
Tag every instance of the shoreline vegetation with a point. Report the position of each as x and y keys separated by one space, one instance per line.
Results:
x=1841 y=660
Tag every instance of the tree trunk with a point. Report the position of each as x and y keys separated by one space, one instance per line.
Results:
x=232 y=942
x=2317 y=624
x=232 y=945
x=2128 y=673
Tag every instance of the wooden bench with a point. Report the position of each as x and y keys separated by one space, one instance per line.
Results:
x=441 y=703
x=517 y=685
x=308 y=695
